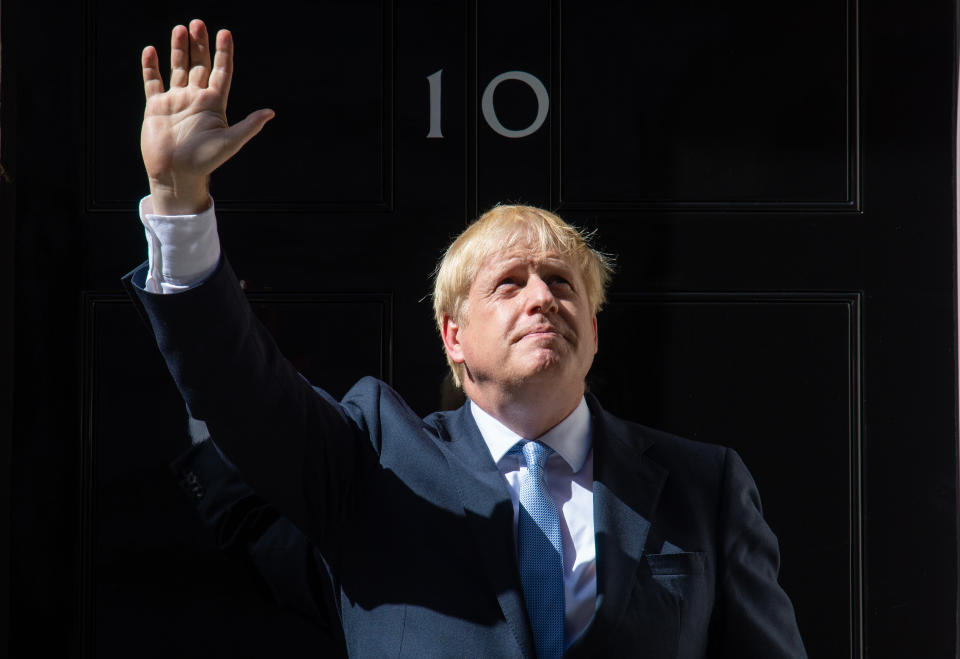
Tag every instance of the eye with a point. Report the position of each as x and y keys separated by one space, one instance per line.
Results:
x=506 y=281
x=557 y=279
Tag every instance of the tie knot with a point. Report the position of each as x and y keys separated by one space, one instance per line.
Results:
x=534 y=453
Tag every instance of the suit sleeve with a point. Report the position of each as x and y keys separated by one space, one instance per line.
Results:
x=756 y=618
x=288 y=564
x=301 y=450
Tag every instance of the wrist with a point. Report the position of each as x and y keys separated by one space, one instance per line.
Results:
x=180 y=197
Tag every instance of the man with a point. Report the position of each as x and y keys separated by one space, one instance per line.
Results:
x=529 y=522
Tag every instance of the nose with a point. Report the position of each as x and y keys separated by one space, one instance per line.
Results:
x=540 y=296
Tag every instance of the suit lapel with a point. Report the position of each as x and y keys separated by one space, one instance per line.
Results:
x=489 y=513
x=626 y=491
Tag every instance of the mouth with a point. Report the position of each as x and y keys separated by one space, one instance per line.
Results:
x=540 y=332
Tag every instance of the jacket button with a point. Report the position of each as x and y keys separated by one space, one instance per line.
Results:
x=192 y=481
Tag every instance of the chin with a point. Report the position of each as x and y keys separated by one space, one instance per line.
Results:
x=551 y=365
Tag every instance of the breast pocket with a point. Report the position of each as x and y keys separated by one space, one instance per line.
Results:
x=677 y=573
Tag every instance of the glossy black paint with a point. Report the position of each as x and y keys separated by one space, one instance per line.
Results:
x=778 y=183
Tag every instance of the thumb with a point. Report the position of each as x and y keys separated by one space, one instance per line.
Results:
x=241 y=132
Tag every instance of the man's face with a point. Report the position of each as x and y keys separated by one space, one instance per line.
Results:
x=527 y=319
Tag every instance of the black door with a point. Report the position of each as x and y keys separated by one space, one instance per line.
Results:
x=777 y=182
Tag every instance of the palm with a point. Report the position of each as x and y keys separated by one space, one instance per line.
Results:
x=185 y=134
x=183 y=131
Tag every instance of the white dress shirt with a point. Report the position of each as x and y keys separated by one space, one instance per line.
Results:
x=183 y=250
x=569 y=476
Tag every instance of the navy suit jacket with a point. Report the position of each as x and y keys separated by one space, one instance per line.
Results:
x=291 y=568
x=415 y=519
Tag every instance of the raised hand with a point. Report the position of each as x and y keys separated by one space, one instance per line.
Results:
x=185 y=135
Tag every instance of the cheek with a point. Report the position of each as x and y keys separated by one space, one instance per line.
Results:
x=500 y=319
x=587 y=332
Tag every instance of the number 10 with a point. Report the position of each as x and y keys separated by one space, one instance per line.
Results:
x=486 y=103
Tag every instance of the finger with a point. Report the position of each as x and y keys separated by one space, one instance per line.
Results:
x=199 y=54
x=179 y=57
x=241 y=132
x=150 y=63
x=222 y=72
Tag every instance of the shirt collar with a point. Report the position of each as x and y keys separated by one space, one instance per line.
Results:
x=570 y=438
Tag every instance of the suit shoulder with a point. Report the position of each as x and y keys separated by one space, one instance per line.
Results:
x=667 y=441
x=670 y=450
x=369 y=387
x=380 y=406
x=370 y=395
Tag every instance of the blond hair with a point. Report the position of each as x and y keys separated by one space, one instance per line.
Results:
x=502 y=228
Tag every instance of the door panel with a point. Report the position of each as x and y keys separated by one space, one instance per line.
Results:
x=708 y=106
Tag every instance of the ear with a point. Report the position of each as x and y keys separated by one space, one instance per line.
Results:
x=595 y=338
x=450 y=333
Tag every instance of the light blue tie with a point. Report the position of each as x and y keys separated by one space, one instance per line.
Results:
x=540 y=553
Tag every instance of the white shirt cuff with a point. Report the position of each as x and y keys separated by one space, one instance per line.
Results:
x=182 y=250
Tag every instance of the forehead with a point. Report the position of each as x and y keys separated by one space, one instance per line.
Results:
x=527 y=255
